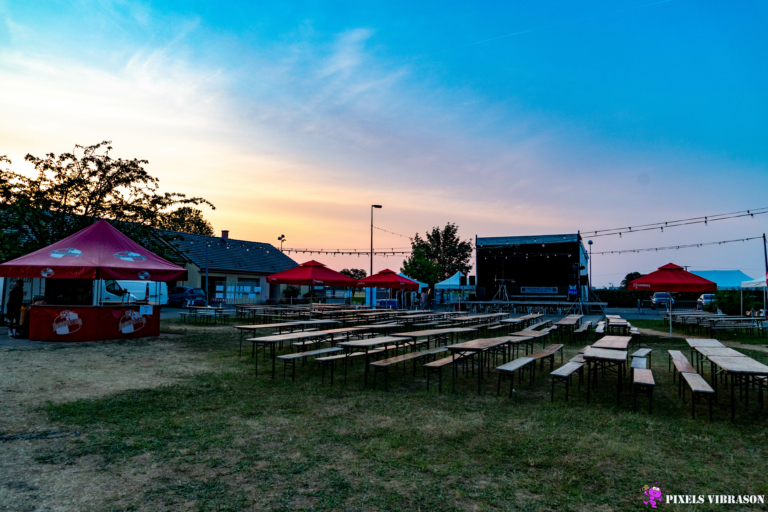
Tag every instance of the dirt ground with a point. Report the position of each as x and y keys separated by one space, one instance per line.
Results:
x=35 y=374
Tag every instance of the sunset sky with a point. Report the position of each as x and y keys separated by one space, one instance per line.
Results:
x=507 y=118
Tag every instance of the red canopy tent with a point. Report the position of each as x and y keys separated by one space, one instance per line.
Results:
x=99 y=251
x=311 y=273
x=672 y=278
x=388 y=279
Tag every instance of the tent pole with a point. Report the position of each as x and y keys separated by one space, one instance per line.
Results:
x=670 y=314
x=741 y=293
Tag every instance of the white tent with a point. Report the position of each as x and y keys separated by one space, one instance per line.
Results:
x=452 y=283
x=757 y=283
x=421 y=285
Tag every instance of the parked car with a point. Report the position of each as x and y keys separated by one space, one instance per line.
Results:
x=185 y=296
x=661 y=299
x=705 y=299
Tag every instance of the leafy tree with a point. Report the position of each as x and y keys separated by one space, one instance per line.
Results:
x=73 y=189
x=420 y=268
x=187 y=220
x=291 y=292
x=630 y=277
x=444 y=250
x=354 y=273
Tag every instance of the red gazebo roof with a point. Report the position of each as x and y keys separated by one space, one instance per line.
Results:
x=672 y=278
x=311 y=273
x=99 y=251
x=388 y=279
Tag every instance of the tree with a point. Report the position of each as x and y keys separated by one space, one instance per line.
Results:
x=73 y=189
x=444 y=250
x=630 y=277
x=354 y=273
x=420 y=268
x=187 y=220
x=291 y=292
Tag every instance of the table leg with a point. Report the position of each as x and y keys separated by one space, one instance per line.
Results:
x=733 y=400
x=619 y=374
x=479 y=370
x=453 y=371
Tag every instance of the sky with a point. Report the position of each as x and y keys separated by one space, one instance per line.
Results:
x=506 y=118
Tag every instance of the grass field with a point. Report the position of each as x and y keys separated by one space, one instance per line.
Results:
x=224 y=440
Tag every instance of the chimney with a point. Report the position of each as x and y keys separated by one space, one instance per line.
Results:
x=225 y=234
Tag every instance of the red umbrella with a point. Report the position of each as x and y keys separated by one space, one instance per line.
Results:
x=388 y=279
x=311 y=273
x=672 y=278
x=99 y=251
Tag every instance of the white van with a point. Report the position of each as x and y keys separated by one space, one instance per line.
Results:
x=113 y=290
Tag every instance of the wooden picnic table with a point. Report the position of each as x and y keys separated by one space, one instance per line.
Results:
x=288 y=326
x=476 y=319
x=695 y=343
x=366 y=345
x=526 y=333
x=476 y=348
x=744 y=368
x=613 y=342
x=620 y=325
x=608 y=357
x=569 y=323
x=436 y=334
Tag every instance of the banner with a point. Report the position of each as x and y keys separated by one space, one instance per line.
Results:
x=91 y=323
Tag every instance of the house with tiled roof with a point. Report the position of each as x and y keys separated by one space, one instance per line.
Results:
x=237 y=269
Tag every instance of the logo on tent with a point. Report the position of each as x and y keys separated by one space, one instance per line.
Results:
x=129 y=256
x=132 y=321
x=46 y=272
x=67 y=322
x=69 y=252
x=144 y=275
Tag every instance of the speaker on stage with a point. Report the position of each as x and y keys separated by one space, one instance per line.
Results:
x=472 y=281
x=463 y=281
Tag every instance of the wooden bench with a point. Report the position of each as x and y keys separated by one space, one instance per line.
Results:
x=545 y=323
x=437 y=366
x=638 y=363
x=680 y=368
x=582 y=330
x=331 y=361
x=644 y=353
x=564 y=373
x=642 y=382
x=521 y=363
x=291 y=358
x=384 y=364
x=582 y=350
x=677 y=356
x=600 y=329
x=548 y=353
x=699 y=389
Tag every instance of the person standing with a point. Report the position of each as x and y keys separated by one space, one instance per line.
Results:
x=15 y=299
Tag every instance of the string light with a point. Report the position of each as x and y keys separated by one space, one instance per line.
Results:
x=675 y=223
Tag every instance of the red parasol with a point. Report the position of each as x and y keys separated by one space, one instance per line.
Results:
x=311 y=273
x=388 y=279
x=99 y=251
x=672 y=278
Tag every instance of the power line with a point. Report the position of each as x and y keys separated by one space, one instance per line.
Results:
x=675 y=223
x=687 y=246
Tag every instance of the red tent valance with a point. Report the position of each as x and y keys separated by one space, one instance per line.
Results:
x=672 y=278
x=311 y=273
x=99 y=251
x=388 y=279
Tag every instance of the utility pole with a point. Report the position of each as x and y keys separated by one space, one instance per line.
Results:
x=373 y=290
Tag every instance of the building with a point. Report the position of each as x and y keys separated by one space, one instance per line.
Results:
x=237 y=269
x=542 y=267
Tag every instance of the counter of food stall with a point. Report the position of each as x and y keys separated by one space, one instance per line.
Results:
x=90 y=323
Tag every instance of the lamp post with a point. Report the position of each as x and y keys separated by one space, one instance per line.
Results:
x=206 y=275
x=589 y=290
x=281 y=238
x=373 y=290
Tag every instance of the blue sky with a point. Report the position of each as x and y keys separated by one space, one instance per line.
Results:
x=506 y=118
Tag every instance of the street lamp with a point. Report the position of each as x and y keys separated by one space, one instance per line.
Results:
x=281 y=238
x=590 y=271
x=373 y=290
